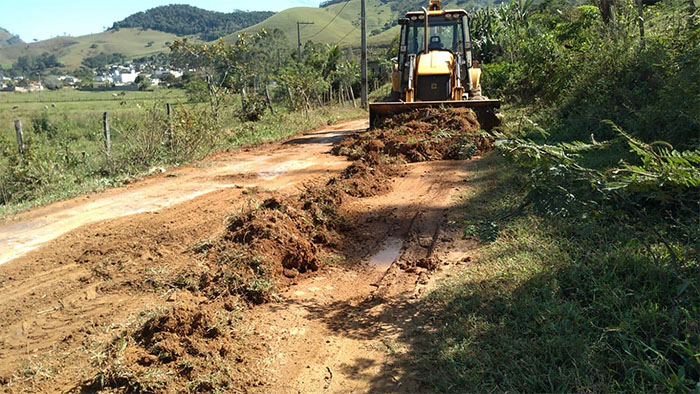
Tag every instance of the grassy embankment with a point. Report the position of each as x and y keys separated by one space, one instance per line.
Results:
x=588 y=275
x=559 y=304
x=66 y=155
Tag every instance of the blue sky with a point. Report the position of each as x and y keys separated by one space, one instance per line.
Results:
x=42 y=19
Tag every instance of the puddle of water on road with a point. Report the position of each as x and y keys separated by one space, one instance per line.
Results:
x=388 y=254
x=284 y=168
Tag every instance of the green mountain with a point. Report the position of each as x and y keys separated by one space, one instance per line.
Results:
x=142 y=34
x=150 y=32
x=71 y=51
x=186 y=20
x=338 y=21
x=7 y=39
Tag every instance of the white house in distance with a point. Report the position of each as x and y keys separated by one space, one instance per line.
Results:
x=174 y=73
x=124 y=77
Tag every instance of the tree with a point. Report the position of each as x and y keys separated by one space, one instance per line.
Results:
x=185 y=20
x=303 y=84
x=145 y=83
x=224 y=68
x=53 y=83
x=168 y=79
x=103 y=59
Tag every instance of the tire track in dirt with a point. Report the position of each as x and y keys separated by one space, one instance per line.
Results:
x=347 y=329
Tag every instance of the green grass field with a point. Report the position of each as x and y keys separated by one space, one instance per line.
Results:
x=68 y=103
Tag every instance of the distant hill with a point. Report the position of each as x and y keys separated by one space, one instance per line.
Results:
x=334 y=24
x=338 y=21
x=186 y=20
x=8 y=39
x=148 y=33
x=71 y=51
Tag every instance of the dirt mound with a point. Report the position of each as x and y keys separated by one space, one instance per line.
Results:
x=422 y=135
x=166 y=351
x=366 y=178
x=277 y=231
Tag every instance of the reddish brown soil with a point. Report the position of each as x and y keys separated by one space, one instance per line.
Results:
x=422 y=135
x=165 y=301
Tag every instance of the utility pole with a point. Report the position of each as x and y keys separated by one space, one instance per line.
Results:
x=299 y=36
x=363 y=15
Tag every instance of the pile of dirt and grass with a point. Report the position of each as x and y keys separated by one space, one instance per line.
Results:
x=179 y=349
x=423 y=135
x=191 y=345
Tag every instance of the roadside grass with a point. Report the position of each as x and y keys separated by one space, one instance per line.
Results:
x=552 y=305
x=381 y=93
x=65 y=146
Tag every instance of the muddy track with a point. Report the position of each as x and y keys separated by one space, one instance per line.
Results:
x=56 y=302
x=345 y=330
x=77 y=273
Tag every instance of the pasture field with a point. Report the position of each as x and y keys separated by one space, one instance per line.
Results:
x=65 y=145
x=71 y=102
x=79 y=111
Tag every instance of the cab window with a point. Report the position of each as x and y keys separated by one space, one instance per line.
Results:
x=443 y=35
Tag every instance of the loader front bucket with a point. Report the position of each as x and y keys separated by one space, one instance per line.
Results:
x=485 y=110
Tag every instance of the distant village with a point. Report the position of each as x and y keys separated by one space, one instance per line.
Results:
x=113 y=77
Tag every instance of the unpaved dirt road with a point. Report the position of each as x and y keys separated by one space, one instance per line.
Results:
x=73 y=272
x=273 y=167
x=348 y=329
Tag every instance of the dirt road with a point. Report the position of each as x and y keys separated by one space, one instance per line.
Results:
x=75 y=273
x=273 y=167
x=348 y=329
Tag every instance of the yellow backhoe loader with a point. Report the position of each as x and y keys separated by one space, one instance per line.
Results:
x=435 y=66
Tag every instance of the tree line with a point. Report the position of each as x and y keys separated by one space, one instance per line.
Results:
x=255 y=62
x=186 y=20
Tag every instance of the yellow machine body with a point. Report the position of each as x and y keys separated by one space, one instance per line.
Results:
x=435 y=65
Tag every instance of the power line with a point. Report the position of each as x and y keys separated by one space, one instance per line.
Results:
x=346 y=36
x=299 y=35
x=329 y=23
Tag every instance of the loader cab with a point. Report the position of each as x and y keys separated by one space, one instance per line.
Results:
x=447 y=38
x=444 y=33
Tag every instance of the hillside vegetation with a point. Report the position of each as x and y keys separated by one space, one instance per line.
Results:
x=71 y=51
x=588 y=276
x=146 y=33
x=7 y=38
x=142 y=34
x=338 y=22
x=186 y=20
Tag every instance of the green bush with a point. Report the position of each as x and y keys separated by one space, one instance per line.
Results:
x=253 y=109
x=588 y=279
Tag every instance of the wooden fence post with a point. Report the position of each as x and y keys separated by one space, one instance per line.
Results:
x=20 y=136
x=269 y=100
x=352 y=96
x=169 y=109
x=108 y=142
x=291 y=99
